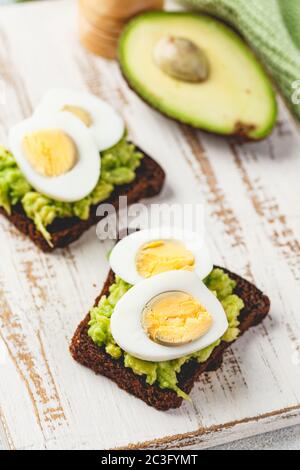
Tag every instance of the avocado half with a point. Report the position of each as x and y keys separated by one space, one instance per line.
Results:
x=236 y=99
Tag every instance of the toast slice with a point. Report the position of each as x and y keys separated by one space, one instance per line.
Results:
x=148 y=183
x=87 y=353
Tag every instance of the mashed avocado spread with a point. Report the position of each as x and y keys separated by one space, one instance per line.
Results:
x=164 y=373
x=118 y=165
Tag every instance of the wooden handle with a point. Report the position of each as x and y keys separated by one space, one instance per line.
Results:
x=102 y=21
x=120 y=9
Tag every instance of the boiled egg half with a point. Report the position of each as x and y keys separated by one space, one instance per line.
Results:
x=167 y=317
x=99 y=117
x=57 y=155
x=149 y=252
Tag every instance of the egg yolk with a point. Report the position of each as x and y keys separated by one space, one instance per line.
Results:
x=50 y=152
x=175 y=318
x=80 y=113
x=163 y=255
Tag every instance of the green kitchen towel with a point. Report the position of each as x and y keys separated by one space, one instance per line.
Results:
x=272 y=28
x=290 y=10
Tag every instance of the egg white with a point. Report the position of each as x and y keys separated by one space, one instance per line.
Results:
x=126 y=321
x=107 y=126
x=80 y=181
x=123 y=256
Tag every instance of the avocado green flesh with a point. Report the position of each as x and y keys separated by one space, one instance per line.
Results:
x=118 y=167
x=236 y=99
x=164 y=374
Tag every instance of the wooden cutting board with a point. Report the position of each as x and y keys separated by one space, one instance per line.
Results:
x=252 y=197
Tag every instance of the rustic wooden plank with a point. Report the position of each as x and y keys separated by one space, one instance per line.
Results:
x=218 y=435
x=48 y=401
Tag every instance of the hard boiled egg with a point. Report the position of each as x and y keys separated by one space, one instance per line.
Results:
x=98 y=116
x=167 y=317
x=149 y=252
x=57 y=155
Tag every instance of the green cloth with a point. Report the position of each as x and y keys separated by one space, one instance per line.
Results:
x=272 y=28
x=290 y=10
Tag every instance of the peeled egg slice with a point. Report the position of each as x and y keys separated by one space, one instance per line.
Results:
x=160 y=256
x=127 y=321
x=50 y=152
x=153 y=251
x=57 y=155
x=175 y=318
x=98 y=116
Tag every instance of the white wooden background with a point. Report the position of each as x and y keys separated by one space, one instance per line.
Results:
x=252 y=194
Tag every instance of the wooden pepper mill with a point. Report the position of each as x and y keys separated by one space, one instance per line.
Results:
x=102 y=21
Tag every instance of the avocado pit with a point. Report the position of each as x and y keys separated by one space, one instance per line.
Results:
x=181 y=59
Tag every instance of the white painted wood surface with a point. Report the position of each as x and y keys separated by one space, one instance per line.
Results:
x=252 y=195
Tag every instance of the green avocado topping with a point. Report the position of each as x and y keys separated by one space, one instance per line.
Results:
x=164 y=374
x=118 y=165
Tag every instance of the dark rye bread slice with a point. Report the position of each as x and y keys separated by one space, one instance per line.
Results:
x=87 y=353
x=148 y=183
